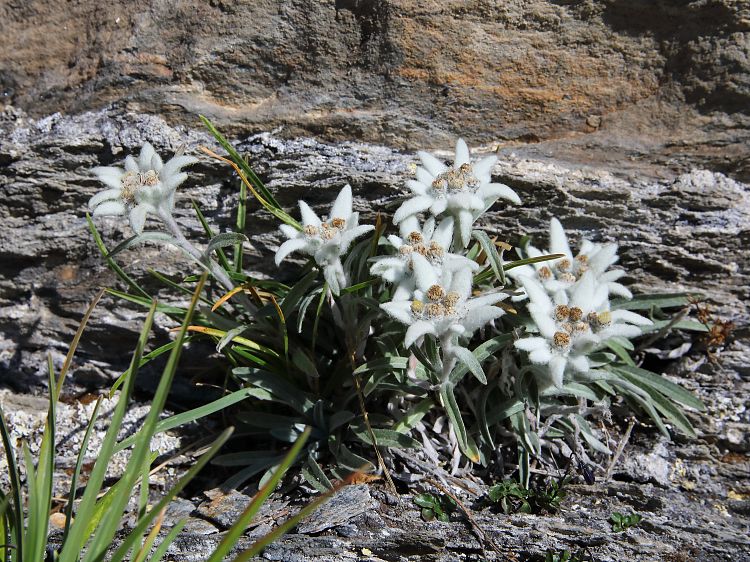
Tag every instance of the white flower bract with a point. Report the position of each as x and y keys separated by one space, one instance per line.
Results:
x=443 y=310
x=326 y=241
x=430 y=242
x=564 y=273
x=146 y=185
x=571 y=328
x=463 y=191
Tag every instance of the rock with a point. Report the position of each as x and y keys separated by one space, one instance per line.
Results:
x=343 y=506
x=668 y=77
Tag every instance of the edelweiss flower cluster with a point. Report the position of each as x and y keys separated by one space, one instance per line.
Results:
x=563 y=273
x=326 y=241
x=432 y=285
x=569 y=305
x=146 y=185
x=463 y=191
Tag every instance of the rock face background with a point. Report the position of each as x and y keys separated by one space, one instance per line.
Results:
x=627 y=119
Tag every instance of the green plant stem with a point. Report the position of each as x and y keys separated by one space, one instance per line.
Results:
x=218 y=273
x=447 y=343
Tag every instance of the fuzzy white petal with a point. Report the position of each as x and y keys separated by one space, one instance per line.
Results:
x=630 y=317
x=557 y=370
x=138 y=218
x=579 y=362
x=491 y=191
x=478 y=317
x=416 y=187
x=309 y=217
x=289 y=231
x=424 y=273
x=432 y=164
x=144 y=159
x=342 y=207
x=109 y=176
x=462 y=153
x=543 y=321
x=484 y=166
x=439 y=206
x=348 y=236
x=111 y=207
x=537 y=293
x=540 y=356
x=558 y=241
x=465 y=222
x=424 y=177
x=619 y=290
x=400 y=310
x=131 y=164
x=418 y=330
x=412 y=207
x=288 y=247
x=530 y=344
x=106 y=195
x=175 y=164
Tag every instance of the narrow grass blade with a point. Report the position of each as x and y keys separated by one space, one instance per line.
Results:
x=192 y=415
x=161 y=550
x=143 y=524
x=279 y=531
x=493 y=257
x=112 y=263
x=77 y=535
x=78 y=466
x=240 y=162
x=233 y=535
x=15 y=487
x=142 y=448
x=210 y=233
x=466 y=444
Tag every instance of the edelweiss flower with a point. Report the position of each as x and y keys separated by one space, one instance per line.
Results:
x=571 y=328
x=326 y=240
x=563 y=273
x=443 y=310
x=429 y=242
x=146 y=185
x=463 y=191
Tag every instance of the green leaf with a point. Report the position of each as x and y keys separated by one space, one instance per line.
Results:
x=315 y=476
x=383 y=364
x=386 y=438
x=465 y=443
x=469 y=360
x=504 y=410
x=482 y=352
x=224 y=240
x=648 y=302
x=210 y=233
x=675 y=392
x=112 y=264
x=493 y=257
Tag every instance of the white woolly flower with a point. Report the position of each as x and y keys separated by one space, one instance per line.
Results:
x=463 y=191
x=563 y=273
x=430 y=242
x=570 y=328
x=146 y=185
x=443 y=310
x=326 y=241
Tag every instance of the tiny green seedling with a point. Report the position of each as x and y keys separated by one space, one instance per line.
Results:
x=433 y=507
x=622 y=522
x=514 y=498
